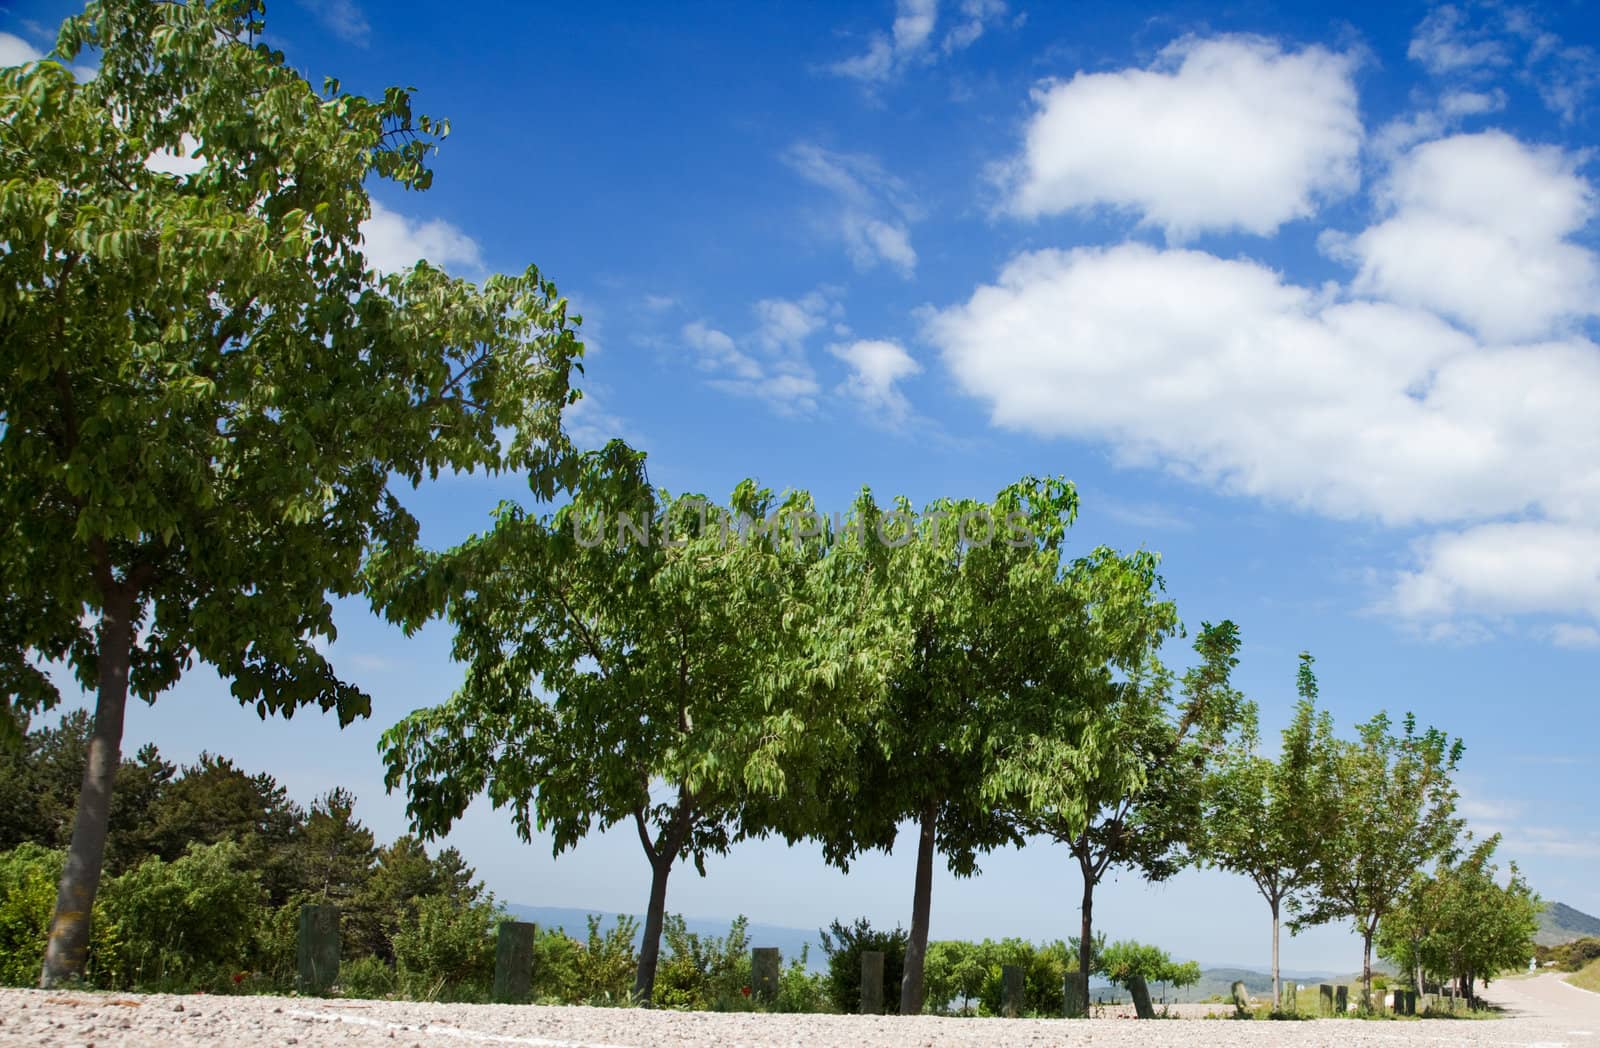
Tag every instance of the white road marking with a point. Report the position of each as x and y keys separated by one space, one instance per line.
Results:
x=435 y=1029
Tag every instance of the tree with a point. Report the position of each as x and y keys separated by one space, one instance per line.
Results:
x=214 y=800
x=950 y=606
x=207 y=393
x=1394 y=814
x=672 y=679
x=1461 y=923
x=1125 y=960
x=1114 y=768
x=1262 y=815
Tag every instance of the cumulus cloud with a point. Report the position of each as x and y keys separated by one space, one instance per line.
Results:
x=771 y=362
x=873 y=210
x=1478 y=230
x=15 y=51
x=1513 y=567
x=1226 y=374
x=911 y=38
x=393 y=242
x=1219 y=134
x=876 y=368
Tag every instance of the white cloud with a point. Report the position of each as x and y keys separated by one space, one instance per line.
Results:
x=173 y=162
x=590 y=425
x=1478 y=231
x=876 y=368
x=1223 y=133
x=770 y=363
x=1445 y=42
x=342 y=18
x=1225 y=374
x=911 y=37
x=393 y=242
x=15 y=51
x=1514 y=567
x=1574 y=635
x=874 y=208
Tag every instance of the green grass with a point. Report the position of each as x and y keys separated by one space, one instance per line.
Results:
x=1588 y=978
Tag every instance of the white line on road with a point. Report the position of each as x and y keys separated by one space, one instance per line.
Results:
x=452 y=1031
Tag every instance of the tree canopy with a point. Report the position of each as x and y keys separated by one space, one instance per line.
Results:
x=209 y=399
x=672 y=678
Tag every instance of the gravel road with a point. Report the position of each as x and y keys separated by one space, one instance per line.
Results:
x=1541 y=1012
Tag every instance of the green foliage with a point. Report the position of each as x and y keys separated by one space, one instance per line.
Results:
x=28 y=877
x=1462 y=922
x=211 y=400
x=606 y=964
x=1043 y=970
x=1257 y=808
x=1588 y=978
x=1569 y=956
x=800 y=989
x=175 y=923
x=680 y=684
x=700 y=975
x=448 y=947
x=844 y=945
x=1395 y=815
x=1123 y=960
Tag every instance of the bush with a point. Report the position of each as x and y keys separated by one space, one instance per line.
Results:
x=28 y=878
x=1043 y=971
x=709 y=974
x=800 y=989
x=183 y=924
x=607 y=963
x=844 y=948
x=447 y=950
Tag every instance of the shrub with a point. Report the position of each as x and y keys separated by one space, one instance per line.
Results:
x=28 y=878
x=447 y=950
x=607 y=963
x=800 y=989
x=178 y=924
x=1043 y=972
x=844 y=948
x=710 y=973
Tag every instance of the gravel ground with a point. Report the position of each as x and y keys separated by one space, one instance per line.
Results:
x=1540 y=1012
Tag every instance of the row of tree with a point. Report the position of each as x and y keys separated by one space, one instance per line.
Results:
x=211 y=405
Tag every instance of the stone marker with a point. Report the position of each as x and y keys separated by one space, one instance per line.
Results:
x=871 y=982
x=1341 y=1000
x=1011 y=990
x=1287 y=1001
x=1241 y=999
x=317 y=949
x=1140 y=990
x=513 y=962
x=764 y=964
x=1325 y=999
x=1408 y=1003
x=1075 y=1003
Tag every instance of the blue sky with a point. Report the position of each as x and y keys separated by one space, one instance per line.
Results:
x=1302 y=300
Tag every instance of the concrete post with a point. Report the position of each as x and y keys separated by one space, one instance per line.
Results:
x=1075 y=1006
x=764 y=964
x=1011 y=990
x=872 y=982
x=1241 y=999
x=317 y=948
x=513 y=962
x=1139 y=990
x=1341 y=1000
x=1325 y=999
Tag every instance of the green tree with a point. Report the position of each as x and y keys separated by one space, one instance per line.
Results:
x=1394 y=815
x=1115 y=770
x=1461 y=922
x=689 y=688
x=844 y=944
x=951 y=605
x=1125 y=960
x=214 y=800
x=1261 y=818
x=208 y=394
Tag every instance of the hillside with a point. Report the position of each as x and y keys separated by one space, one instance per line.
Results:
x=1561 y=923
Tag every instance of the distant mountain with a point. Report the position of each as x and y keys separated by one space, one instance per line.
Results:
x=1560 y=923
x=575 y=922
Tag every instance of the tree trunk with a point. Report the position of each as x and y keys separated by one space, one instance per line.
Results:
x=1366 y=968
x=644 y=981
x=911 y=984
x=1086 y=932
x=69 y=931
x=1277 y=990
